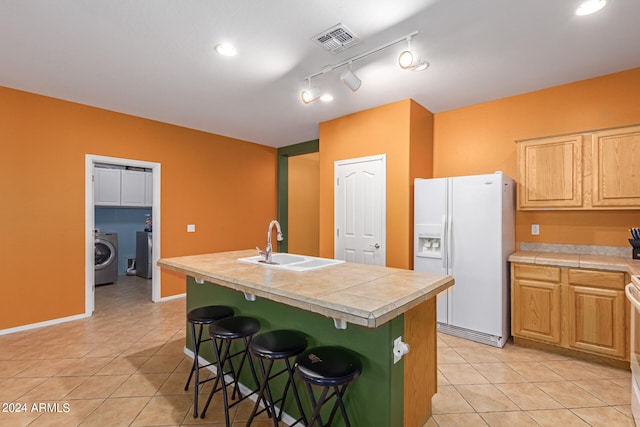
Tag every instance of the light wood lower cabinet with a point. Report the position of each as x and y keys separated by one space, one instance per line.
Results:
x=536 y=302
x=579 y=309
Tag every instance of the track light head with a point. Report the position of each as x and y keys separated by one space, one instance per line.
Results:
x=310 y=94
x=351 y=80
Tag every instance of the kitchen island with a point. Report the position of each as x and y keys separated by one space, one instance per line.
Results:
x=360 y=307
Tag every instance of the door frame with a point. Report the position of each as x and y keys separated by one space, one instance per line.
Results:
x=90 y=161
x=383 y=199
x=284 y=153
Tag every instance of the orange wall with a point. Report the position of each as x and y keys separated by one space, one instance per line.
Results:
x=304 y=211
x=42 y=170
x=480 y=139
x=386 y=129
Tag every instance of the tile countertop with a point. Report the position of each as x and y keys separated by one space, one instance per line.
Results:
x=601 y=262
x=361 y=294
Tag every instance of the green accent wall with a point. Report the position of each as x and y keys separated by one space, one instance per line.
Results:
x=284 y=153
x=376 y=398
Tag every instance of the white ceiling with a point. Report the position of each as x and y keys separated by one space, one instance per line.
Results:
x=155 y=58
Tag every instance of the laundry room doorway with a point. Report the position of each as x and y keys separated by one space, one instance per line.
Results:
x=91 y=161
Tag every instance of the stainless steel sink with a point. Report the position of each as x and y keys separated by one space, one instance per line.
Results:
x=292 y=262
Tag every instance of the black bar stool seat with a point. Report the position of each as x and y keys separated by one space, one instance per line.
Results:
x=223 y=333
x=202 y=316
x=332 y=368
x=272 y=346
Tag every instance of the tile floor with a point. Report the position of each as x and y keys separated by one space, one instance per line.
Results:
x=125 y=366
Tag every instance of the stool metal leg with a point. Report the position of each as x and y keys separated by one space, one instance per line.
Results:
x=195 y=368
x=316 y=405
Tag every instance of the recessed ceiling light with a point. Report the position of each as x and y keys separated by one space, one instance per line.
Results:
x=326 y=97
x=226 y=49
x=590 y=6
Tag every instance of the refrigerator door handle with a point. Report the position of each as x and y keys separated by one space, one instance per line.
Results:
x=449 y=249
x=442 y=238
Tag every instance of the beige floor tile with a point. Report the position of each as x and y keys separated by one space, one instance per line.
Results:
x=508 y=419
x=141 y=385
x=498 y=372
x=11 y=389
x=449 y=401
x=116 y=412
x=570 y=370
x=54 y=389
x=624 y=409
x=604 y=417
x=18 y=419
x=84 y=367
x=442 y=380
x=569 y=394
x=476 y=353
x=163 y=410
x=160 y=363
x=453 y=341
x=534 y=371
x=97 y=387
x=528 y=396
x=10 y=368
x=124 y=365
x=462 y=373
x=604 y=371
x=486 y=398
x=430 y=423
x=78 y=410
x=457 y=420
x=557 y=417
x=46 y=368
x=606 y=390
x=449 y=355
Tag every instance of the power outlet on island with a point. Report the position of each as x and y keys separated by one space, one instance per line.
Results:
x=535 y=229
x=191 y=228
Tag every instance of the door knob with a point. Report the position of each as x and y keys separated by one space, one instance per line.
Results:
x=376 y=246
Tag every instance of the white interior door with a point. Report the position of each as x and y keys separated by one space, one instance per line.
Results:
x=360 y=210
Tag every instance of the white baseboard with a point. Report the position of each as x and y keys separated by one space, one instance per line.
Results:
x=172 y=297
x=42 y=324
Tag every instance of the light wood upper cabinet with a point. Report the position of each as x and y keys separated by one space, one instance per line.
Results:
x=592 y=170
x=550 y=172
x=616 y=172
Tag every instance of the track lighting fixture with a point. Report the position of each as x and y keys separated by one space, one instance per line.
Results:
x=310 y=94
x=407 y=61
x=350 y=79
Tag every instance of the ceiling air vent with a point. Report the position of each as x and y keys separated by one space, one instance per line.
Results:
x=336 y=39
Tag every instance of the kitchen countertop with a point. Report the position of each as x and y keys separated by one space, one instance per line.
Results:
x=600 y=262
x=361 y=294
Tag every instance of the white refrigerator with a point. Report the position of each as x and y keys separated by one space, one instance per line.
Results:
x=464 y=227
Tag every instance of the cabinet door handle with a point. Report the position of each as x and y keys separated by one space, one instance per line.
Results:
x=376 y=246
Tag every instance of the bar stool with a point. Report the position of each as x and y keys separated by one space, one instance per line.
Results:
x=223 y=333
x=271 y=346
x=202 y=316
x=331 y=368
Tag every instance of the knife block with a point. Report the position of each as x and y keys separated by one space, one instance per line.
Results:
x=636 y=248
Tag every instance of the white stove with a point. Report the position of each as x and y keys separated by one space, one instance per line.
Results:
x=633 y=294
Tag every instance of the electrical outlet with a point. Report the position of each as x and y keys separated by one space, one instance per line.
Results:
x=191 y=228
x=535 y=229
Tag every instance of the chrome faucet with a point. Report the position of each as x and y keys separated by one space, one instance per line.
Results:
x=268 y=250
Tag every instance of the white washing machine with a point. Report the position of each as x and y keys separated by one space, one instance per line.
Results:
x=106 y=257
